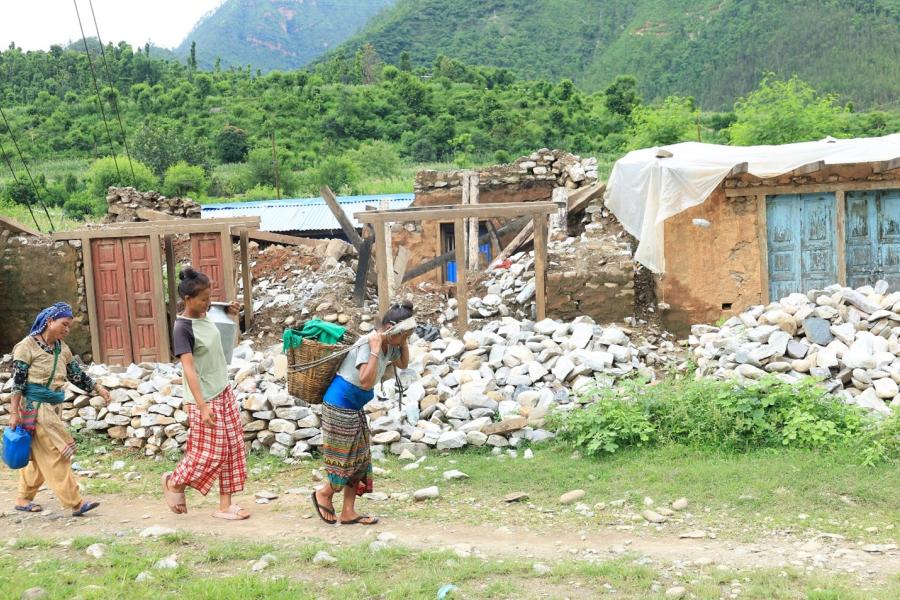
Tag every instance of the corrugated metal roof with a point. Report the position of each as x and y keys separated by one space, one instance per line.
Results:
x=302 y=214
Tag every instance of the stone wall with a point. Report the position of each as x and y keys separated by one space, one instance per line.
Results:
x=717 y=271
x=126 y=204
x=34 y=273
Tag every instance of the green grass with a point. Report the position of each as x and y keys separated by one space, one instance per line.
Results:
x=21 y=214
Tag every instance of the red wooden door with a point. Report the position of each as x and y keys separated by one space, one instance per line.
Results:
x=111 y=297
x=145 y=335
x=206 y=256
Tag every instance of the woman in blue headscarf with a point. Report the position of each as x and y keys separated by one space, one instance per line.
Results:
x=42 y=363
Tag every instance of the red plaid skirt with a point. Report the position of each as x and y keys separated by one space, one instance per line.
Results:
x=214 y=451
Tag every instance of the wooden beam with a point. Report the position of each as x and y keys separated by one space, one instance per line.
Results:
x=810 y=188
x=170 y=277
x=87 y=267
x=808 y=168
x=540 y=265
x=362 y=271
x=384 y=205
x=886 y=165
x=453 y=212
x=278 y=238
x=762 y=238
x=16 y=227
x=840 y=219
x=470 y=196
x=247 y=278
x=346 y=226
x=122 y=230
x=227 y=265
x=515 y=244
x=381 y=267
x=159 y=300
x=462 y=287
x=401 y=262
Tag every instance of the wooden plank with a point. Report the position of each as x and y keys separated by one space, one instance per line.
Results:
x=170 y=277
x=808 y=168
x=278 y=238
x=559 y=221
x=762 y=239
x=87 y=271
x=540 y=265
x=228 y=265
x=401 y=262
x=384 y=205
x=363 y=268
x=122 y=230
x=381 y=268
x=247 y=278
x=16 y=227
x=811 y=188
x=148 y=214
x=462 y=286
x=346 y=226
x=159 y=299
x=841 y=238
x=453 y=212
x=514 y=245
x=495 y=239
x=470 y=196
x=886 y=165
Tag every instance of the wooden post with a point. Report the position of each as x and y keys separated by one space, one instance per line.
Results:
x=559 y=221
x=346 y=226
x=462 y=290
x=381 y=266
x=87 y=269
x=275 y=166
x=164 y=350
x=170 y=277
x=474 y=253
x=840 y=199
x=389 y=245
x=362 y=271
x=227 y=265
x=540 y=265
x=762 y=239
x=247 y=278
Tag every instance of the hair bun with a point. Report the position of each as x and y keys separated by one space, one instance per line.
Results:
x=187 y=273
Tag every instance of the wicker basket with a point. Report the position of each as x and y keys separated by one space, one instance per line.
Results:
x=310 y=384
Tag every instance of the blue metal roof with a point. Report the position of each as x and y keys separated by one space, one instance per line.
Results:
x=302 y=214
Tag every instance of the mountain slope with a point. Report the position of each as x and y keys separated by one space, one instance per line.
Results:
x=276 y=34
x=714 y=50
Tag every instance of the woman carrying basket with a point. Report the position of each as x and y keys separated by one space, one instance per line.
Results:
x=348 y=460
x=42 y=363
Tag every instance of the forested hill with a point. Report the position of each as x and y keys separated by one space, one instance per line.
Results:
x=276 y=34
x=714 y=50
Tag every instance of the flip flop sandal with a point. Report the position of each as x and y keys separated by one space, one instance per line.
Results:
x=231 y=514
x=173 y=499
x=320 y=509
x=31 y=507
x=361 y=520
x=85 y=507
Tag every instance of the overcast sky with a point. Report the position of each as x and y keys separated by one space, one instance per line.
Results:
x=37 y=24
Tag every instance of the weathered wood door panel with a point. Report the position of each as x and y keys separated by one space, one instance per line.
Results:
x=112 y=301
x=206 y=256
x=139 y=277
x=801 y=243
x=872 y=234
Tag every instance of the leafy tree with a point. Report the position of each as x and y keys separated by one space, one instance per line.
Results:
x=337 y=172
x=21 y=191
x=81 y=205
x=182 y=179
x=674 y=121
x=376 y=158
x=261 y=171
x=232 y=145
x=621 y=96
x=161 y=145
x=103 y=174
x=785 y=111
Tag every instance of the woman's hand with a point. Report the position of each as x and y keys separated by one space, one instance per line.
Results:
x=375 y=340
x=206 y=415
x=14 y=420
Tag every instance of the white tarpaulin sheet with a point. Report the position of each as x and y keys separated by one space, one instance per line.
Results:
x=643 y=190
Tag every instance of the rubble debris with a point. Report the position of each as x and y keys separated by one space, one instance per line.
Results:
x=126 y=204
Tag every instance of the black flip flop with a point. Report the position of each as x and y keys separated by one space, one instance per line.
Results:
x=360 y=520
x=31 y=507
x=84 y=508
x=320 y=509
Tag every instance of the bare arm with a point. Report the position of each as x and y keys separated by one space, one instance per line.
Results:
x=368 y=372
x=14 y=414
x=193 y=382
x=403 y=361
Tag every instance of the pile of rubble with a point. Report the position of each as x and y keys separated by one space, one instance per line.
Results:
x=848 y=338
x=127 y=204
x=494 y=387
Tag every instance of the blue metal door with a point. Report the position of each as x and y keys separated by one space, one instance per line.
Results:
x=801 y=243
x=872 y=233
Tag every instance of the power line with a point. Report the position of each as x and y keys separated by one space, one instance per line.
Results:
x=27 y=170
x=16 y=179
x=115 y=99
x=97 y=89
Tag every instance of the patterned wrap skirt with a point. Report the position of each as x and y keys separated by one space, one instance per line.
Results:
x=345 y=447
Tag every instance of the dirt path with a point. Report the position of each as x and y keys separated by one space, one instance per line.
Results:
x=291 y=517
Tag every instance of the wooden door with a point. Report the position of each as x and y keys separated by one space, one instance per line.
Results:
x=112 y=301
x=801 y=243
x=872 y=234
x=206 y=256
x=142 y=313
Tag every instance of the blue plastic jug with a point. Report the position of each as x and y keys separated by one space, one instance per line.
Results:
x=16 y=447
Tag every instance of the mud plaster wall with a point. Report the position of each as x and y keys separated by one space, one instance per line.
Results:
x=35 y=273
x=708 y=269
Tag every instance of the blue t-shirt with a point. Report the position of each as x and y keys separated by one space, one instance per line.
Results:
x=343 y=394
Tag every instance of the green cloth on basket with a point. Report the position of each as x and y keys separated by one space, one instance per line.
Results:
x=317 y=329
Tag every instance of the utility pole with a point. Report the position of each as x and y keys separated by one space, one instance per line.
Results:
x=275 y=164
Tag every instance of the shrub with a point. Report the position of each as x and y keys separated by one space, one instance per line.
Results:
x=182 y=178
x=338 y=173
x=605 y=427
x=376 y=159
x=103 y=174
x=259 y=192
x=261 y=171
x=81 y=205
x=232 y=145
